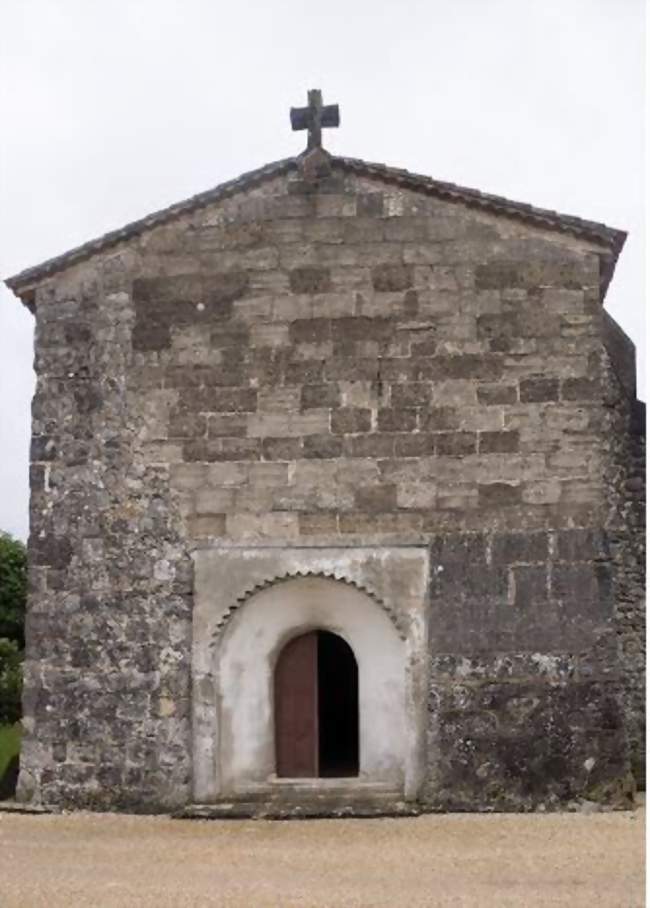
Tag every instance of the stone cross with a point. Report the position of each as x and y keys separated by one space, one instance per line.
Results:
x=314 y=117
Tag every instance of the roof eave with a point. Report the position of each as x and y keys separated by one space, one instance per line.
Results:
x=587 y=230
x=25 y=282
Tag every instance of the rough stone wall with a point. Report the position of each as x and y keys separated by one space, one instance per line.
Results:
x=109 y=620
x=355 y=364
x=625 y=477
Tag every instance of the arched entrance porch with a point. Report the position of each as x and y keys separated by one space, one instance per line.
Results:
x=238 y=639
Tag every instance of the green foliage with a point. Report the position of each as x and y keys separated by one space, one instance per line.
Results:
x=13 y=589
x=9 y=745
x=13 y=596
x=11 y=681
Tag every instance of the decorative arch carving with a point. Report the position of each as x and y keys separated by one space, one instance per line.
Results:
x=294 y=575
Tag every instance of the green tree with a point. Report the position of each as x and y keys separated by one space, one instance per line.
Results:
x=11 y=681
x=13 y=589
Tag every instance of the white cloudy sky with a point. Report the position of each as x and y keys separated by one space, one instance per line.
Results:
x=110 y=110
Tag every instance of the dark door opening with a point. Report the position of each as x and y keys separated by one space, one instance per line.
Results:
x=317 y=708
x=338 y=707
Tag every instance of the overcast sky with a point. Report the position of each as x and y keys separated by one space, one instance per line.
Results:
x=111 y=110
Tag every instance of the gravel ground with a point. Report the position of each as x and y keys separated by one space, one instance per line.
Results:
x=110 y=861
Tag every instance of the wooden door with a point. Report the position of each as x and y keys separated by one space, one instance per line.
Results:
x=296 y=708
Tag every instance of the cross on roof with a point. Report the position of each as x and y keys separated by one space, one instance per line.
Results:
x=314 y=117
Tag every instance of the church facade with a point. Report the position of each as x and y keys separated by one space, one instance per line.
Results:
x=336 y=506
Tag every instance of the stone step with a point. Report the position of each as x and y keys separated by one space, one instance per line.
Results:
x=19 y=807
x=314 y=807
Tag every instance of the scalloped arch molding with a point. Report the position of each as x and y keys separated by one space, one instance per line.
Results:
x=293 y=575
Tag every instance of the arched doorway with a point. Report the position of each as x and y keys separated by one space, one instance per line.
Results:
x=233 y=692
x=316 y=698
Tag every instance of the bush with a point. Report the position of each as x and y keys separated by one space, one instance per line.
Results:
x=9 y=759
x=13 y=595
x=13 y=589
x=11 y=681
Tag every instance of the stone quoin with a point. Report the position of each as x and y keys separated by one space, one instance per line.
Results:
x=338 y=400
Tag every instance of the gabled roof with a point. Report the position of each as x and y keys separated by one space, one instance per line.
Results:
x=24 y=281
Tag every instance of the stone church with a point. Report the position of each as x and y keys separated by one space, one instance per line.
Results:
x=336 y=504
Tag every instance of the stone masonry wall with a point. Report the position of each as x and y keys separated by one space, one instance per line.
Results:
x=625 y=476
x=348 y=364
